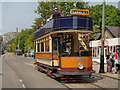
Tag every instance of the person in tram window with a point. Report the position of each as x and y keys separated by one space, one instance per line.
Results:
x=111 y=59
x=107 y=60
x=56 y=15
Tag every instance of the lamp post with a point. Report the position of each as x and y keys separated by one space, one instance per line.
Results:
x=102 y=41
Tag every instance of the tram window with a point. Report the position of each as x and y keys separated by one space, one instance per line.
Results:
x=55 y=44
x=47 y=45
x=38 y=47
x=42 y=46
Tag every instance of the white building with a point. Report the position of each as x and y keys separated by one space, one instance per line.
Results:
x=112 y=43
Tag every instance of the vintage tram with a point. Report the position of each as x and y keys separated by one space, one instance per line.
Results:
x=59 y=46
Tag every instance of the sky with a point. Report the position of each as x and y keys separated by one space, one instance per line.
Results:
x=20 y=14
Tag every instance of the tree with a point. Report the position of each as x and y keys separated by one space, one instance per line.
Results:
x=45 y=9
x=25 y=40
x=112 y=15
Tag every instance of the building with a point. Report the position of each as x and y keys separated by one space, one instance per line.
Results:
x=112 y=43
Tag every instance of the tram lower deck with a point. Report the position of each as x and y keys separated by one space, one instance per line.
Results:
x=63 y=53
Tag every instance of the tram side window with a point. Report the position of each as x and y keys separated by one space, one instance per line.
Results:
x=47 y=45
x=38 y=47
x=55 y=44
x=42 y=46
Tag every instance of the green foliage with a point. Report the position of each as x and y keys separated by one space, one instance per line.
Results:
x=112 y=15
x=25 y=40
x=45 y=9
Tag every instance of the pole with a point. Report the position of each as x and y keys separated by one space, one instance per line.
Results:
x=102 y=41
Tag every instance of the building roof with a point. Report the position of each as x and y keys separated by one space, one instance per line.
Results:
x=114 y=30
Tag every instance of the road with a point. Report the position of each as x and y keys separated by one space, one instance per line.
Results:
x=20 y=72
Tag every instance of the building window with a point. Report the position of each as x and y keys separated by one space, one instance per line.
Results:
x=93 y=52
x=113 y=48
x=108 y=50
x=98 y=51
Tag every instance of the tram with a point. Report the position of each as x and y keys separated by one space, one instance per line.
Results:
x=59 y=46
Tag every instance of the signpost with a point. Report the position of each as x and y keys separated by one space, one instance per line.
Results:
x=102 y=41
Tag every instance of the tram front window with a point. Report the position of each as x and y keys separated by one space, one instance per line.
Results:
x=72 y=46
x=66 y=49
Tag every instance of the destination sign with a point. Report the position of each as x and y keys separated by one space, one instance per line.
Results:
x=79 y=12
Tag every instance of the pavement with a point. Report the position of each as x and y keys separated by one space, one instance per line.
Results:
x=96 y=67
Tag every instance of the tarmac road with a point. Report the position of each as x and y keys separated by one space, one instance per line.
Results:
x=19 y=72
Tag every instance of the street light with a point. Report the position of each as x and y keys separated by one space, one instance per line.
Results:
x=102 y=41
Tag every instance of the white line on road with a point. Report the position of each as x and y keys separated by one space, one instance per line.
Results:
x=22 y=83
x=30 y=64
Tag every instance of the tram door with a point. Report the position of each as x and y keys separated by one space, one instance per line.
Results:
x=56 y=47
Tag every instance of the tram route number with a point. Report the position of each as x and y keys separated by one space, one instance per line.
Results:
x=79 y=60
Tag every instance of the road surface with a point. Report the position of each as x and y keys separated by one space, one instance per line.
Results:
x=20 y=72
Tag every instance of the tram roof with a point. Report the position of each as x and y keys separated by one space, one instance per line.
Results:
x=65 y=23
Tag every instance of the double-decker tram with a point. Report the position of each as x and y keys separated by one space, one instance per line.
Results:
x=60 y=50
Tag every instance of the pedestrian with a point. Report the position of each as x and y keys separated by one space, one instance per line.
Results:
x=56 y=15
x=107 y=60
x=111 y=58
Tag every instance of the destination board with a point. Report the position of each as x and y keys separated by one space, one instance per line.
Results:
x=79 y=12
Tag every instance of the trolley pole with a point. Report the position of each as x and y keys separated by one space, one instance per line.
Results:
x=102 y=41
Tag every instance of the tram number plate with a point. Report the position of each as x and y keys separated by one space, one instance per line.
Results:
x=79 y=60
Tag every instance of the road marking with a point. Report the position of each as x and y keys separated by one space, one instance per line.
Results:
x=22 y=83
x=29 y=64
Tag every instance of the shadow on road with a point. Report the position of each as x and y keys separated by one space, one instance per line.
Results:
x=82 y=79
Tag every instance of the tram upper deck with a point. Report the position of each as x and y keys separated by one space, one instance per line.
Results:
x=64 y=24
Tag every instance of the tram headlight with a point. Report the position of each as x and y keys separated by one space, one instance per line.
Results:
x=80 y=66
